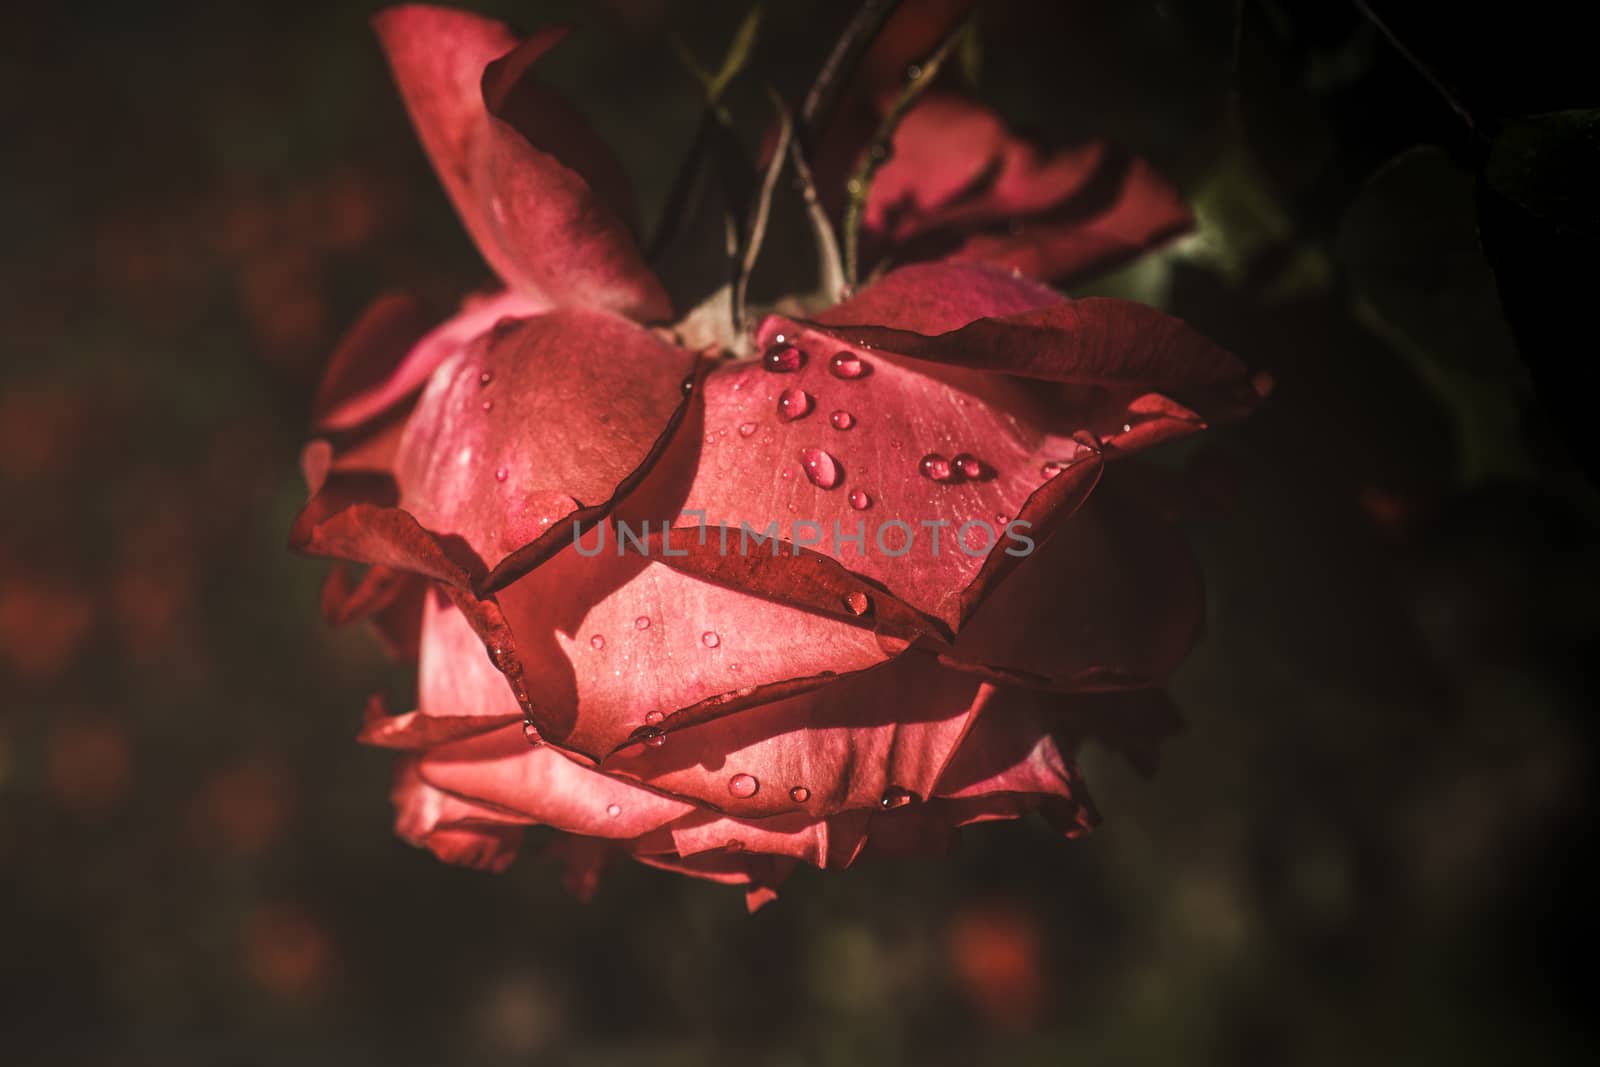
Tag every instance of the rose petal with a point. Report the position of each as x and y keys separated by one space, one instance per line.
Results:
x=454 y=830
x=542 y=226
x=762 y=874
x=547 y=418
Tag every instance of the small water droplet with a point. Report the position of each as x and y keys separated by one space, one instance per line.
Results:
x=487 y=405
x=794 y=404
x=735 y=845
x=687 y=385
x=857 y=603
x=653 y=717
x=860 y=500
x=895 y=797
x=936 y=468
x=1002 y=518
x=487 y=376
x=799 y=794
x=968 y=465
x=846 y=365
x=530 y=734
x=501 y=475
x=597 y=642
x=613 y=810
x=842 y=420
x=743 y=786
x=746 y=429
x=913 y=72
x=642 y=622
x=783 y=359
x=653 y=736
x=1052 y=468
x=710 y=639
x=1127 y=427
x=821 y=468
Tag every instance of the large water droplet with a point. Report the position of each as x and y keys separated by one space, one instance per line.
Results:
x=794 y=404
x=936 y=468
x=746 y=429
x=710 y=639
x=783 y=359
x=842 y=420
x=846 y=365
x=895 y=797
x=968 y=465
x=743 y=786
x=860 y=500
x=653 y=736
x=642 y=622
x=799 y=794
x=857 y=603
x=821 y=468
x=530 y=734
x=653 y=717
x=613 y=810
x=597 y=642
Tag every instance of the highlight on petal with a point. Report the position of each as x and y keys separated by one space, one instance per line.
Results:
x=530 y=182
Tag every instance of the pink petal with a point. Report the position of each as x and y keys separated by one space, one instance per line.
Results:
x=500 y=769
x=841 y=747
x=544 y=228
x=454 y=830
x=540 y=420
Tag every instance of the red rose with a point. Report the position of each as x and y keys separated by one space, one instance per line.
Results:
x=667 y=686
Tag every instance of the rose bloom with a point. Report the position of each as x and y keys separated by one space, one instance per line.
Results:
x=958 y=595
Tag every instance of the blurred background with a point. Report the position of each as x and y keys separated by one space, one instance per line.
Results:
x=1368 y=846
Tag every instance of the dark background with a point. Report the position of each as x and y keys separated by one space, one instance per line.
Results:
x=1366 y=848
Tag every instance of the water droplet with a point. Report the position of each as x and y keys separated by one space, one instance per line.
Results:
x=746 y=429
x=530 y=734
x=613 y=810
x=487 y=405
x=783 y=359
x=842 y=420
x=794 y=404
x=501 y=475
x=743 y=786
x=968 y=465
x=642 y=622
x=913 y=72
x=735 y=845
x=821 y=468
x=846 y=365
x=860 y=500
x=857 y=603
x=936 y=468
x=1002 y=518
x=1127 y=427
x=710 y=639
x=653 y=736
x=653 y=717
x=895 y=797
x=597 y=642
x=687 y=385
x=799 y=794
x=487 y=376
x=1052 y=468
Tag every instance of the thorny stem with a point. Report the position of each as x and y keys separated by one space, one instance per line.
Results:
x=878 y=153
x=841 y=61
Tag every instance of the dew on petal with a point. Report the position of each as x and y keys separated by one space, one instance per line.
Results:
x=794 y=404
x=746 y=429
x=842 y=420
x=501 y=475
x=486 y=377
x=613 y=810
x=530 y=734
x=846 y=365
x=936 y=468
x=968 y=465
x=783 y=359
x=642 y=622
x=857 y=603
x=799 y=794
x=735 y=845
x=653 y=736
x=487 y=405
x=597 y=642
x=894 y=797
x=653 y=717
x=821 y=468
x=860 y=500
x=710 y=639
x=743 y=786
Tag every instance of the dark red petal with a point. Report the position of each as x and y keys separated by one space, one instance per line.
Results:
x=841 y=747
x=831 y=844
x=543 y=785
x=539 y=223
x=454 y=830
x=546 y=419
x=935 y=298
x=762 y=874
x=1112 y=601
